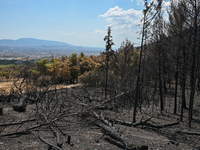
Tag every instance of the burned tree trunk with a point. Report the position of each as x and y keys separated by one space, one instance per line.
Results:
x=58 y=137
x=21 y=105
x=113 y=133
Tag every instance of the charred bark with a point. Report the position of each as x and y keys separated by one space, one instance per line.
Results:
x=145 y=123
x=21 y=105
x=57 y=135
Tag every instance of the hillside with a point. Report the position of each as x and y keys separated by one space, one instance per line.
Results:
x=31 y=42
x=35 y=48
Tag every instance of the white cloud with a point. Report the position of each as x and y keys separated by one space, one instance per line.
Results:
x=120 y=19
x=130 y=32
x=89 y=33
x=116 y=11
x=124 y=23
x=166 y=4
x=99 y=32
x=138 y=2
x=62 y=32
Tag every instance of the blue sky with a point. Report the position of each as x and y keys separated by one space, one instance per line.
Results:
x=77 y=22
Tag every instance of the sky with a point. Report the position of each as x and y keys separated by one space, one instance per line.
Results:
x=77 y=22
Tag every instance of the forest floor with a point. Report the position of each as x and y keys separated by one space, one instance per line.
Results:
x=85 y=135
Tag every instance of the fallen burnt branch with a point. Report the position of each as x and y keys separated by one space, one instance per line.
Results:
x=16 y=123
x=101 y=102
x=29 y=129
x=21 y=106
x=130 y=123
x=57 y=135
x=117 y=121
x=64 y=134
x=115 y=97
x=161 y=126
x=187 y=132
x=77 y=96
x=50 y=145
x=26 y=131
x=106 y=122
x=113 y=133
x=144 y=123
x=46 y=111
x=16 y=133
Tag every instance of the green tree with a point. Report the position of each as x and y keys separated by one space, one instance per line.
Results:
x=74 y=68
x=41 y=66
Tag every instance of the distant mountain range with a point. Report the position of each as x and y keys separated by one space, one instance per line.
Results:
x=31 y=42
x=35 y=48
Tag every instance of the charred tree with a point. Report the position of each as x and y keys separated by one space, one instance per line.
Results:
x=21 y=105
x=107 y=54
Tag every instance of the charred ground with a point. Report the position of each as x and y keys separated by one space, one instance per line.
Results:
x=81 y=112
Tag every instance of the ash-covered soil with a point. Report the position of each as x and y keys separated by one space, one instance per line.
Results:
x=86 y=135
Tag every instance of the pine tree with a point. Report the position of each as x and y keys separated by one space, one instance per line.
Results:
x=108 y=53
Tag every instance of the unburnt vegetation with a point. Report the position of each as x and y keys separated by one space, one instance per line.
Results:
x=143 y=97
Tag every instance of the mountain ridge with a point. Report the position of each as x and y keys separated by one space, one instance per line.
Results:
x=28 y=42
x=35 y=48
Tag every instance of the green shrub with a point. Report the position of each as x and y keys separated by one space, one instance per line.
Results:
x=7 y=76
